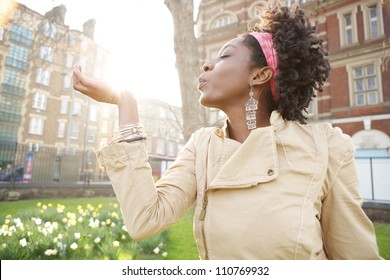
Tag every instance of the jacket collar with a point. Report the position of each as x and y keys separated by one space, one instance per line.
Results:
x=255 y=161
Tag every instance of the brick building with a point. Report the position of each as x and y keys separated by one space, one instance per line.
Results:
x=357 y=95
x=38 y=107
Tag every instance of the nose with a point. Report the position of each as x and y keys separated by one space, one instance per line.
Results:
x=207 y=66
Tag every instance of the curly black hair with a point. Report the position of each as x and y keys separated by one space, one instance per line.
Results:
x=302 y=60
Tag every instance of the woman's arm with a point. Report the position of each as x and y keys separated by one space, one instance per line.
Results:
x=147 y=208
x=347 y=231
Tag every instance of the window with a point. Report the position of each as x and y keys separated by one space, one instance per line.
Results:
x=76 y=108
x=160 y=146
x=84 y=44
x=372 y=19
x=347 y=27
x=171 y=149
x=72 y=39
x=43 y=77
x=69 y=61
x=17 y=56
x=64 y=106
x=10 y=105
x=161 y=128
x=93 y=111
x=21 y=35
x=8 y=133
x=14 y=78
x=61 y=129
x=74 y=132
x=46 y=53
x=312 y=108
x=67 y=81
x=222 y=21
x=36 y=126
x=365 y=85
x=83 y=63
x=49 y=30
x=1 y=33
x=91 y=135
x=104 y=127
x=40 y=101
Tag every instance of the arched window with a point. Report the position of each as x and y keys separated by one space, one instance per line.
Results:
x=222 y=21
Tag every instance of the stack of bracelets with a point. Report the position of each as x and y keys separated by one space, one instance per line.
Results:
x=128 y=133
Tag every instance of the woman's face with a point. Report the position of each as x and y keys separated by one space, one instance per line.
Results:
x=225 y=79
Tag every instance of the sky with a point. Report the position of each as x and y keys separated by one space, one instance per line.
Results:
x=139 y=36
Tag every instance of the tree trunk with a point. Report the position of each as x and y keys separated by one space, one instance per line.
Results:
x=187 y=64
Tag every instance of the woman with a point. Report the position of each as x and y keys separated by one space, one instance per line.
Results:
x=266 y=185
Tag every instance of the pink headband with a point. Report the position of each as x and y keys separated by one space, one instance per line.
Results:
x=267 y=45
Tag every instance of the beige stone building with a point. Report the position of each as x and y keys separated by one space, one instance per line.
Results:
x=39 y=110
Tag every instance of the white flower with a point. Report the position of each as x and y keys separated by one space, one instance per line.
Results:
x=86 y=247
x=60 y=245
x=4 y=245
x=123 y=237
x=113 y=224
x=59 y=236
x=161 y=244
x=156 y=250
x=50 y=252
x=29 y=233
x=115 y=243
x=23 y=242
x=164 y=254
x=38 y=221
x=80 y=219
x=73 y=246
x=77 y=235
x=124 y=228
x=97 y=240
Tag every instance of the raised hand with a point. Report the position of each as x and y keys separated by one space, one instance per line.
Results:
x=97 y=90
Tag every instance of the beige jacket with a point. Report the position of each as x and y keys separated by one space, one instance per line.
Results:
x=290 y=191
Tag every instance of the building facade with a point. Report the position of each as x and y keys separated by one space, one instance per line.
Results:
x=39 y=109
x=356 y=33
x=164 y=128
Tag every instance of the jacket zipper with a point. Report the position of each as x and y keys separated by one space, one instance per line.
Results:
x=201 y=218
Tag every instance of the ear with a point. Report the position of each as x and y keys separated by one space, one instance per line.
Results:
x=261 y=75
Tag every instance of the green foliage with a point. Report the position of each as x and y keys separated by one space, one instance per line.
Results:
x=383 y=238
x=51 y=231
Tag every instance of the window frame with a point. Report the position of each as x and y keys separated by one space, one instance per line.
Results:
x=342 y=26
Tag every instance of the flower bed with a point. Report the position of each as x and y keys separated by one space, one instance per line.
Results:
x=90 y=232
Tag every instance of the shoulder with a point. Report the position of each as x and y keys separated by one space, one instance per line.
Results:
x=340 y=144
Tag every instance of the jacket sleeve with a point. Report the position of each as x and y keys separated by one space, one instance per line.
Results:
x=347 y=231
x=149 y=208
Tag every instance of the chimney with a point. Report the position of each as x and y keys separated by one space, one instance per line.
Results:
x=89 y=28
x=57 y=14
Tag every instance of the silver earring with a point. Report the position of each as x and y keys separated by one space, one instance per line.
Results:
x=250 y=108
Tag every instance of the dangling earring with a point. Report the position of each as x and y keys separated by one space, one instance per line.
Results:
x=250 y=108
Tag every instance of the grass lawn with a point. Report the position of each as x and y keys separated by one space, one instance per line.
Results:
x=181 y=244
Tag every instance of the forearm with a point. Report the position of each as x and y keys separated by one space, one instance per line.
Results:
x=127 y=106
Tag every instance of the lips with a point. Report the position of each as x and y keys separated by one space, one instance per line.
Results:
x=201 y=82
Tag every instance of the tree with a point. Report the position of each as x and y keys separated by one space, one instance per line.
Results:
x=187 y=64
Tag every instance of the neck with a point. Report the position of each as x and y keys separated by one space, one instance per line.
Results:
x=237 y=126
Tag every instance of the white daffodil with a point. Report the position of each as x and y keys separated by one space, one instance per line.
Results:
x=164 y=254
x=115 y=243
x=74 y=246
x=97 y=240
x=156 y=250
x=23 y=242
x=77 y=235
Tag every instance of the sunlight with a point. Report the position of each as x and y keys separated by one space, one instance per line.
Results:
x=6 y=7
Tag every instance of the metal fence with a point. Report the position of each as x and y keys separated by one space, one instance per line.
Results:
x=374 y=176
x=34 y=163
